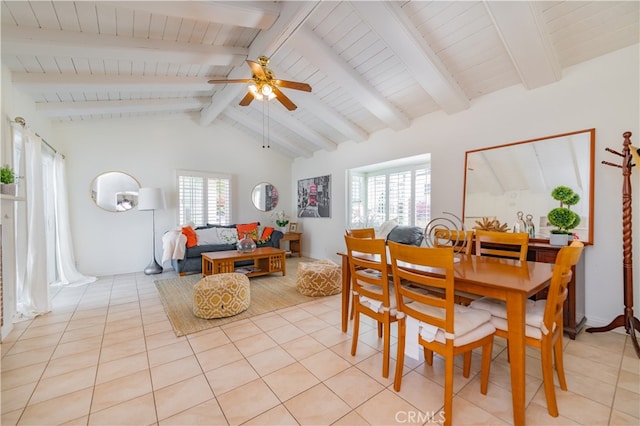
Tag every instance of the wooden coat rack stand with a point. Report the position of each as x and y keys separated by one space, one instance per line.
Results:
x=627 y=319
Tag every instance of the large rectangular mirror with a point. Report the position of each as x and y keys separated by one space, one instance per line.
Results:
x=503 y=180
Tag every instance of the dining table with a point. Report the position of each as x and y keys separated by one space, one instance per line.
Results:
x=505 y=279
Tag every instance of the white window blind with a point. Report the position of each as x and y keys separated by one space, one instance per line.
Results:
x=204 y=198
x=401 y=193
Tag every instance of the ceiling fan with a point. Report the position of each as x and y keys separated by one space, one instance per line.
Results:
x=265 y=85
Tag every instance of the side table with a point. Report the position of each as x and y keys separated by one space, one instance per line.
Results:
x=295 y=242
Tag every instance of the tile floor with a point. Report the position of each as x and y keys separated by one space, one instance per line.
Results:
x=106 y=354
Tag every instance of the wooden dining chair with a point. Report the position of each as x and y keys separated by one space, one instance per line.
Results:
x=361 y=233
x=444 y=327
x=371 y=292
x=544 y=321
x=461 y=241
x=502 y=244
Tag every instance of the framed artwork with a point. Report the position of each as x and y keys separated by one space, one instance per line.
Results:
x=314 y=197
x=293 y=227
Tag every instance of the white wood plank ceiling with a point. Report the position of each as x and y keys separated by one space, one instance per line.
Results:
x=372 y=65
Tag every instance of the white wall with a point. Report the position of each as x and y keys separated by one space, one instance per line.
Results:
x=151 y=150
x=601 y=94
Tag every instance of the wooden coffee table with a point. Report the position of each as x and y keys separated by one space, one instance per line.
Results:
x=266 y=260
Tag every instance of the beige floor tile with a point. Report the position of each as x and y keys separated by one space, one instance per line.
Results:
x=217 y=357
x=16 y=397
x=270 y=360
x=207 y=339
x=121 y=350
x=536 y=414
x=42 y=330
x=294 y=314
x=386 y=408
x=175 y=371
x=73 y=362
x=498 y=398
x=600 y=355
x=325 y=364
x=630 y=362
x=373 y=367
x=22 y=376
x=303 y=347
x=121 y=367
x=627 y=402
x=35 y=344
x=627 y=380
x=285 y=333
x=231 y=376
x=182 y=396
x=137 y=411
x=158 y=327
x=207 y=413
x=62 y=384
x=269 y=321
x=123 y=335
x=363 y=351
x=587 y=387
x=77 y=346
x=179 y=349
x=467 y=413
x=241 y=330
x=590 y=368
x=618 y=419
x=330 y=336
x=351 y=419
x=10 y=418
x=277 y=416
x=311 y=324
x=421 y=392
x=290 y=381
x=353 y=386
x=95 y=331
x=120 y=390
x=58 y=410
x=247 y=401
x=255 y=344
x=25 y=359
x=307 y=411
x=577 y=408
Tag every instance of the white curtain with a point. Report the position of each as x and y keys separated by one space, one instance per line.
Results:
x=67 y=273
x=33 y=288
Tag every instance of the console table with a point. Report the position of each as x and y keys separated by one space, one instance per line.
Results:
x=295 y=242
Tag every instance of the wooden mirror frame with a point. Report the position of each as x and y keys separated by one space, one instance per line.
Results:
x=509 y=150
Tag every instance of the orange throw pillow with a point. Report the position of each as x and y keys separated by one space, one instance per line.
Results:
x=266 y=233
x=192 y=238
x=250 y=229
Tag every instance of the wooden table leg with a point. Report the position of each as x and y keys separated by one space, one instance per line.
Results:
x=346 y=290
x=517 y=353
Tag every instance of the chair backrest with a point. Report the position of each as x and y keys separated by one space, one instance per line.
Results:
x=368 y=265
x=437 y=311
x=361 y=233
x=462 y=241
x=566 y=258
x=495 y=243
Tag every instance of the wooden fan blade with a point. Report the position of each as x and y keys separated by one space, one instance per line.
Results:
x=247 y=99
x=241 y=80
x=257 y=70
x=284 y=100
x=293 y=85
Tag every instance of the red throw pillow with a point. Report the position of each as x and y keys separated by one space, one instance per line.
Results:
x=250 y=229
x=192 y=238
x=266 y=233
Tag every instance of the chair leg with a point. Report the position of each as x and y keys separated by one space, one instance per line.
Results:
x=353 y=307
x=466 y=369
x=379 y=329
x=356 y=329
x=397 y=381
x=448 y=390
x=428 y=356
x=487 y=348
x=559 y=362
x=386 y=348
x=547 y=377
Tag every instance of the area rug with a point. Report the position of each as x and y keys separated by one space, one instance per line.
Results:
x=268 y=293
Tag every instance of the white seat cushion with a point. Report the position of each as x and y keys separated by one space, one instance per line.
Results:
x=498 y=310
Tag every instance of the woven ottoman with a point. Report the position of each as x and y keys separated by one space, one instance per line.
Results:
x=321 y=278
x=221 y=295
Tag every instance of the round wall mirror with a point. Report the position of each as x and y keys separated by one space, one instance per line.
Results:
x=115 y=191
x=264 y=196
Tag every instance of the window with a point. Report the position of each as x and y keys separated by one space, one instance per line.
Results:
x=204 y=198
x=398 y=190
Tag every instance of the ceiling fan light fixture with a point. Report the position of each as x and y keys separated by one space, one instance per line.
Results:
x=255 y=92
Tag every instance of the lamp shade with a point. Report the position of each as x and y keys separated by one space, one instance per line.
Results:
x=151 y=199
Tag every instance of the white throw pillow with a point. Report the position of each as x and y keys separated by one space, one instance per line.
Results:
x=227 y=235
x=208 y=236
x=385 y=228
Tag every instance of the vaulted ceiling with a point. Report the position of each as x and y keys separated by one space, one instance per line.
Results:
x=372 y=65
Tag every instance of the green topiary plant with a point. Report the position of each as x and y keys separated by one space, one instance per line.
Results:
x=7 y=174
x=562 y=217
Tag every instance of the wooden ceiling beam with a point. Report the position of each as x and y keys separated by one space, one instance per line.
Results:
x=63 y=109
x=23 y=41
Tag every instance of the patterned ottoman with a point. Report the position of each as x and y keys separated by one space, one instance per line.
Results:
x=221 y=295
x=321 y=278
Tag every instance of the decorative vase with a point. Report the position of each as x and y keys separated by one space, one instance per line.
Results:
x=246 y=245
x=558 y=239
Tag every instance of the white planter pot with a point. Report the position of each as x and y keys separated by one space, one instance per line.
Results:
x=8 y=189
x=283 y=229
x=558 y=239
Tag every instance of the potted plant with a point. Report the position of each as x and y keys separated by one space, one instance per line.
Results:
x=562 y=217
x=282 y=220
x=7 y=180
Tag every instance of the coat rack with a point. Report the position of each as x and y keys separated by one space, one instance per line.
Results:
x=627 y=319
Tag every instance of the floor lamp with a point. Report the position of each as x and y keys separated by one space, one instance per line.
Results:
x=152 y=199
